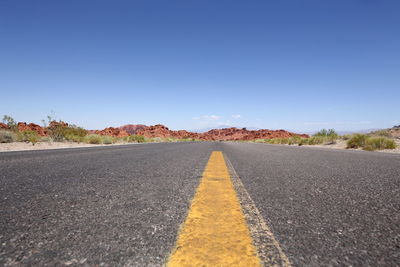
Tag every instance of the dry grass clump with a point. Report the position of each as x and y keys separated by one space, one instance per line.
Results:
x=28 y=136
x=370 y=143
x=7 y=136
x=107 y=140
x=135 y=139
x=93 y=139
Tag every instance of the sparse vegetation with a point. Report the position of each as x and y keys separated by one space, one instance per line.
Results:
x=107 y=140
x=317 y=140
x=374 y=141
x=10 y=123
x=7 y=136
x=370 y=143
x=329 y=136
x=93 y=139
x=357 y=141
x=383 y=133
x=135 y=139
x=28 y=136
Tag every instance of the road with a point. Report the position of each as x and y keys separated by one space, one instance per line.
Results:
x=124 y=205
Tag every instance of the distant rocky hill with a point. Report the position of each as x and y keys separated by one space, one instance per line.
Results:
x=132 y=128
x=226 y=134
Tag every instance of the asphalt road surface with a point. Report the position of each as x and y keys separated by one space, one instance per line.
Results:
x=123 y=205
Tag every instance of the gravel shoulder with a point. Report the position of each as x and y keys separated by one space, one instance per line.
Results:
x=341 y=144
x=22 y=146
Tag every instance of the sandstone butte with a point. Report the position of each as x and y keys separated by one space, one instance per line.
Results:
x=227 y=134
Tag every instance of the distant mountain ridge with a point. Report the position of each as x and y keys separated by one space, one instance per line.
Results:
x=203 y=130
x=225 y=134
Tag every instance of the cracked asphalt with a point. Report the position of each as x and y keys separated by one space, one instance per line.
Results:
x=123 y=205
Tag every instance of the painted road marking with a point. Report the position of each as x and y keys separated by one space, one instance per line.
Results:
x=268 y=248
x=215 y=232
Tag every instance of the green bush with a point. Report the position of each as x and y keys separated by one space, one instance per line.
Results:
x=116 y=139
x=316 y=140
x=7 y=136
x=294 y=140
x=107 y=140
x=379 y=143
x=329 y=136
x=74 y=138
x=60 y=131
x=28 y=136
x=73 y=133
x=93 y=139
x=325 y=132
x=357 y=140
x=135 y=139
x=303 y=141
x=10 y=123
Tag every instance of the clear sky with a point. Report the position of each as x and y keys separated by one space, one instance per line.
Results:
x=300 y=65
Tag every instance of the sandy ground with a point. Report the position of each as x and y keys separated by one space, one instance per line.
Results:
x=20 y=146
x=341 y=144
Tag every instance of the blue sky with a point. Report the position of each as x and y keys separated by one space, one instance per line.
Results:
x=298 y=65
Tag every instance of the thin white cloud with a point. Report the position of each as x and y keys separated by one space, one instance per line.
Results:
x=337 y=123
x=208 y=118
x=236 y=116
x=315 y=123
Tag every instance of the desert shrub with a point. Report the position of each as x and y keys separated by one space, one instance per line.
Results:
x=28 y=136
x=116 y=139
x=379 y=143
x=357 y=140
x=383 y=133
x=316 y=140
x=107 y=140
x=7 y=136
x=303 y=141
x=273 y=141
x=56 y=131
x=73 y=133
x=93 y=139
x=325 y=132
x=10 y=122
x=154 y=140
x=294 y=140
x=74 y=138
x=60 y=131
x=283 y=141
x=329 y=136
x=136 y=139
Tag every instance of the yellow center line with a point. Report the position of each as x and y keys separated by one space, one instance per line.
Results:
x=215 y=232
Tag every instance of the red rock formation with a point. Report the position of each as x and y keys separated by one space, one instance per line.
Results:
x=4 y=126
x=155 y=131
x=111 y=131
x=23 y=126
x=133 y=128
x=227 y=134
x=56 y=124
